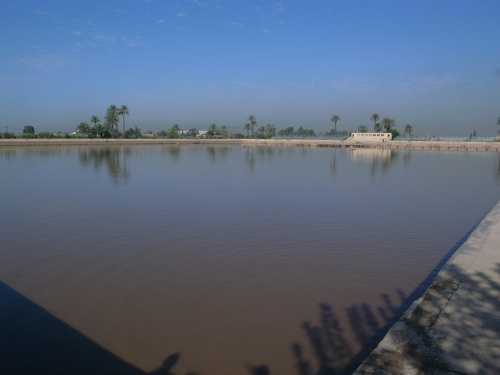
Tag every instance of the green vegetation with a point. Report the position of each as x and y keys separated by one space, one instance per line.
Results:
x=300 y=132
x=212 y=131
x=94 y=128
x=28 y=130
x=394 y=133
x=335 y=119
x=192 y=133
x=408 y=130
x=95 y=120
x=375 y=118
x=252 y=123
x=132 y=133
x=388 y=123
x=123 y=111
x=83 y=128
x=112 y=118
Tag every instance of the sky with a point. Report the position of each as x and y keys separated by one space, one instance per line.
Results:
x=434 y=64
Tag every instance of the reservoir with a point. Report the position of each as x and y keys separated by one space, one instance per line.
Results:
x=222 y=260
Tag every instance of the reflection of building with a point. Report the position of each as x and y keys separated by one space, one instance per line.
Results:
x=370 y=137
x=375 y=154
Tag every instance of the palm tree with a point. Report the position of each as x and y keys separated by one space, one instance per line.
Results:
x=408 y=129
x=334 y=119
x=377 y=127
x=123 y=111
x=253 y=122
x=247 y=128
x=95 y=120
x=112 y=116
x=173 y=131
x=498 y=123
x=223 y=131
x=270 y=130
x=83 y=128
x=212 y=130
x=375 y=118
x=388 y=123
x=362 y=129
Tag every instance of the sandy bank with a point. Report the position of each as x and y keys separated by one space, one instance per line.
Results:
x=394 y=145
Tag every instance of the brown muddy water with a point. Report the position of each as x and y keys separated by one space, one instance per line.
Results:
x=221 y=260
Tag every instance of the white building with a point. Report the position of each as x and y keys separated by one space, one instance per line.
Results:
x=370 y=137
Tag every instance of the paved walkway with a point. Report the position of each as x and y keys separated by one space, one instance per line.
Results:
x=455 y=327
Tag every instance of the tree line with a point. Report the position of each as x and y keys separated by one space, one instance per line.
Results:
x=110 y=129
x=386 y=124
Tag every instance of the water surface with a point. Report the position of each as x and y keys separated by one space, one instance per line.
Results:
x=228 y=260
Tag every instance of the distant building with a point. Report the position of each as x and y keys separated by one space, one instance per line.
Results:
x=370 y=137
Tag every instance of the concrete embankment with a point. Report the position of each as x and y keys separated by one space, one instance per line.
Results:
x=454 y=328
x=394 y=145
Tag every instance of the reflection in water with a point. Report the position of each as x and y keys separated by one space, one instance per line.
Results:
x=173 y=151
x=380 y=158
x=333 y=165
x=214 y=152
x=250 y=158
x=498 y=169
x=35 y=152
x=114 y=159
x=8 y=153
x=407 y=158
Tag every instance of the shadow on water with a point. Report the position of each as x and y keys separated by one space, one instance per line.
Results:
x=33 y=341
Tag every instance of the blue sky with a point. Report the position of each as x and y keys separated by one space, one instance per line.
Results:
x=433 y=64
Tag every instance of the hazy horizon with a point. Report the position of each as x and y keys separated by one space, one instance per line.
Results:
x=434 y=65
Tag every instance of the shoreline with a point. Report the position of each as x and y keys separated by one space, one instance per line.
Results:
x=393 y=145
x=453 y=326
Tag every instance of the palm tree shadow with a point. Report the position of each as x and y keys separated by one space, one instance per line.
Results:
x=332 y=352
x=435 y=342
